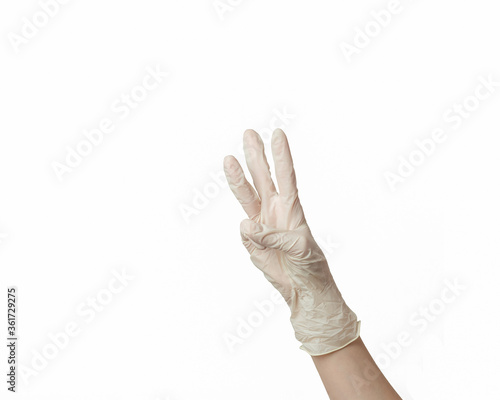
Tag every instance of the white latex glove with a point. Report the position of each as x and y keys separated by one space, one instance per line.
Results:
x=281 y=245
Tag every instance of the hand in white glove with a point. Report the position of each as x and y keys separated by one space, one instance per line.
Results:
x=281 y=245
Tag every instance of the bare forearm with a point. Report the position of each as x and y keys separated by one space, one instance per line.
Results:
x=351 y=373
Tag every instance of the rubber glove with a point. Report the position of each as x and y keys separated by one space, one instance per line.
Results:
x=281 y=245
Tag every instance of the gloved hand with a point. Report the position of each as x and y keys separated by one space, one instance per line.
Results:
x=281 y=245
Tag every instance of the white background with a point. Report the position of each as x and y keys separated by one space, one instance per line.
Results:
x=349 y=121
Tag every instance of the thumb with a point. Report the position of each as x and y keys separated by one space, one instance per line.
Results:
x=263 y=236
x=248 y=230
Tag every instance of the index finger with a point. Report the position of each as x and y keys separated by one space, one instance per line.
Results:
x=242 y=189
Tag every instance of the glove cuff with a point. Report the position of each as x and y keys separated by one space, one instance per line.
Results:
x=326 y=346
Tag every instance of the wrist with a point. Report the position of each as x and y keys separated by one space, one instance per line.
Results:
x=322 y=321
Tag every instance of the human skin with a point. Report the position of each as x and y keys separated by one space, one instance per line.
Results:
x=351 y=373
x=281 y=245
